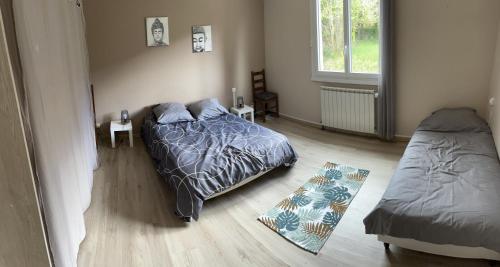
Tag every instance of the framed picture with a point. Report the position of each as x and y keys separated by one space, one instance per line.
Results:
x=202 y=39
x=157 y=31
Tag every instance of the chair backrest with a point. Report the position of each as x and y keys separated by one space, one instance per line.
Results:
x=258 y=81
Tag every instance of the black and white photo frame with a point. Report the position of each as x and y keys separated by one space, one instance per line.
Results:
x=157 y=33
x=202 y=38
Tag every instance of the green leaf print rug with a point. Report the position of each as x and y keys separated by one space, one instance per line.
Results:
x=308 y=217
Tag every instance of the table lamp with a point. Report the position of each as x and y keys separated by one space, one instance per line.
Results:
x=234 y=97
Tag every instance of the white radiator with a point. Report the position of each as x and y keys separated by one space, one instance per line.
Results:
x=348 y=109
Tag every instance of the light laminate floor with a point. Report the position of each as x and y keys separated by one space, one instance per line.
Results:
x=131 y=220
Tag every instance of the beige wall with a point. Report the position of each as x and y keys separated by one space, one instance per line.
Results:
x=445 y=50
x=21 y=230
x=444 y=54
x=494 y=111
x=128 y=75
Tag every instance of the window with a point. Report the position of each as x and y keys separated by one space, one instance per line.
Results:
x=346 y=44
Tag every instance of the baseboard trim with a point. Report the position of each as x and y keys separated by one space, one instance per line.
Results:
x=320 y=126
x=301 y=121
x=402 y=138
x=398 y=138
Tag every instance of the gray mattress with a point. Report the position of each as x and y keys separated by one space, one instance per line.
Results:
x=202 y=158
x=446 y=190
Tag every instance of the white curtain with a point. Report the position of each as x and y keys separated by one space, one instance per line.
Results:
x=54 y=59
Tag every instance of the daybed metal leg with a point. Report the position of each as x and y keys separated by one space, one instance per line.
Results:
x=386 y=246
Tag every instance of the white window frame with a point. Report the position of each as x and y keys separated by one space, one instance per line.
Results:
x=346 y=77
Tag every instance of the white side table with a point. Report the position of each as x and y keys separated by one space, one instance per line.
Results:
x=243 y=112
x=117 y=126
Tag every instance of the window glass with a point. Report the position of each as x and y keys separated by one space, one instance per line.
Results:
x=332 y=35
x=365 y=50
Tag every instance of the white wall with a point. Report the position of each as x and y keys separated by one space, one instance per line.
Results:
x=444 y=52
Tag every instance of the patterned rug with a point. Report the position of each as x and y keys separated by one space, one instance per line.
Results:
x=309 y=215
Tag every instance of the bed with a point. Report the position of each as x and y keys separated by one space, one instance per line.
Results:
x=204 y=158
x=444 y=197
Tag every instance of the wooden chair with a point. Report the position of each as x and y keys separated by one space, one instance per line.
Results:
x=262 y=97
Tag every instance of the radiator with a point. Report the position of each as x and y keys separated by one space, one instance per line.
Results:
x=348 y=109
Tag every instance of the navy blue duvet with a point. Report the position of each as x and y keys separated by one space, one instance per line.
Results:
x=202 y=158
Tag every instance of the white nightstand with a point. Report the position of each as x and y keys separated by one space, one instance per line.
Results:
x=243 y=112
x=117 y=126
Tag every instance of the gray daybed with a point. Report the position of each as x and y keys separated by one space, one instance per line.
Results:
x=444 y=197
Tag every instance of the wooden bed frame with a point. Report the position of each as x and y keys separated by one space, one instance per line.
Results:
x=443 y=250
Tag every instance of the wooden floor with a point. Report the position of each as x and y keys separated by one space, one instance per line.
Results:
x=131 y=220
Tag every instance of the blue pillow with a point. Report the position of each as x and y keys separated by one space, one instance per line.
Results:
x=207 y=108
x=172 y=113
